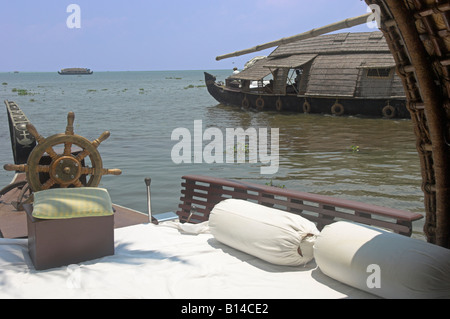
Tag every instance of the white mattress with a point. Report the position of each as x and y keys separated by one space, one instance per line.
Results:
x=164 y=262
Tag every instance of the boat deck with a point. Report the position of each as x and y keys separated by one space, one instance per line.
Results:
x=13 y=222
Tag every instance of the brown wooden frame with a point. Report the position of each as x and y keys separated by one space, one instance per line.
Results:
x=201 y=193
x=417 y=34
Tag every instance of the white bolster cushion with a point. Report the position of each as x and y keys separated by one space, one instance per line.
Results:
x=270 y=234
x=385 y=264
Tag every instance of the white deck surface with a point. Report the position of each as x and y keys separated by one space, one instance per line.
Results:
x=163 y=262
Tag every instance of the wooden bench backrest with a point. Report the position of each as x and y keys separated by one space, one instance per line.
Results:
x=200 y=194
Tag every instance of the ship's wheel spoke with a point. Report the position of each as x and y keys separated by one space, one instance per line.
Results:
x=70 y=120
x=82 y=155
x=67 y=148
x=101 y=138
x=15 y=167
x=51 y=153
x=48 y=184
x=39 y=138
x=43 y=169
x=87 y=170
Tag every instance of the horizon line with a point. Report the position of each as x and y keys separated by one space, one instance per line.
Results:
x=104 y=71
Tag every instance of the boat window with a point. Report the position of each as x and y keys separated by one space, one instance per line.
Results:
x=379 y=73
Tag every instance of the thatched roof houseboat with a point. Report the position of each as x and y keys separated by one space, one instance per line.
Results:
x=343 y=73
x=75 y=71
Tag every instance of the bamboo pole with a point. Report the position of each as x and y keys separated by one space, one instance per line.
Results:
x=435 y=114
x=347 y=23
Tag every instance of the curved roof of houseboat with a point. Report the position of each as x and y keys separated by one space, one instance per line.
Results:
x=347 y=42
x=371 y=48
x=335 y=63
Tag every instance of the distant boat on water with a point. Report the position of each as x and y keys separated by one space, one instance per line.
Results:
x=75 y=71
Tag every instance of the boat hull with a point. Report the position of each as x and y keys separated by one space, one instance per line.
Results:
x=367 y=107
x=22 y=142
x=75 y=73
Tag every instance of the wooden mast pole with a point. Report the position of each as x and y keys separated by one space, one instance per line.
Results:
x=347 y=23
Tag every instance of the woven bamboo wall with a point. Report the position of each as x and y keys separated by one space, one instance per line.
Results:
x=417 y=32
x=340 y=75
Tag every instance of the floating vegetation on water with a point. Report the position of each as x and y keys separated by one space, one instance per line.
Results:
x=141 y=91
x=91 y=90
x=275 y=185
x=172 y=78
x=22 y=91
x=190 y=86
x=354 y=148
x=32 y=100
x=4 y=83
x=240 y=148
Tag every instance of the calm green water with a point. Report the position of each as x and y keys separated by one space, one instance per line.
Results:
x=141 y=109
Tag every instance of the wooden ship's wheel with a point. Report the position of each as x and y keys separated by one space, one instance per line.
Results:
x=68 y=168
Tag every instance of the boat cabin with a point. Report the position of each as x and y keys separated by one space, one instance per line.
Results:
x=357 y=65
x=339 y=74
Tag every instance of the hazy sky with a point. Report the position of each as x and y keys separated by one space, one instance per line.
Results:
x=154 y=34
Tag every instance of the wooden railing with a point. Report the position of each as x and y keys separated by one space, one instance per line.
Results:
x=200 y=194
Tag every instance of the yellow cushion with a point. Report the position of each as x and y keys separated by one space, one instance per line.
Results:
x=63 y=203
